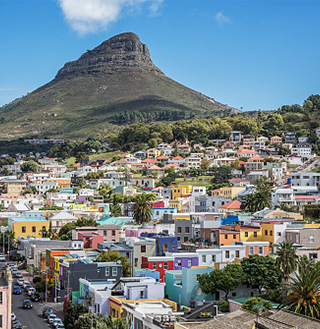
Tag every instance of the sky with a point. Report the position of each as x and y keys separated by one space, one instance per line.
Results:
x=254 y=54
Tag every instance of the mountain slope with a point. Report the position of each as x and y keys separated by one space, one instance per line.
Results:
x=117 y=75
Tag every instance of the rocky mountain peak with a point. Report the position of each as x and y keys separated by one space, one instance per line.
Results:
x=123 y=52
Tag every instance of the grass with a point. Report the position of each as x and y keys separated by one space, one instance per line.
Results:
x=195 y=181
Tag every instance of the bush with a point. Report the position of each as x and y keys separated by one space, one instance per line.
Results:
x=224 y=306
x=37 y=279
x=40 y=286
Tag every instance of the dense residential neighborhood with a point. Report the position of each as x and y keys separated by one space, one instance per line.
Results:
x=176 y=235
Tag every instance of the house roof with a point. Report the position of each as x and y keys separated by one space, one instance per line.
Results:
x=171 y=165
x=256 y=157
x=149 y=161
x=234 y=204
x=178 y=157
x=306 y=197
x=63 y=215
x=238 y=180
x=155 y=167
x=162 y=157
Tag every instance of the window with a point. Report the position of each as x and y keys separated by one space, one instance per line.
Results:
x=142 y=294
x=143 y=248
x=279 y=234
x=255 y=234
x=127 y=255
x=271 y=233
x=179 y=262
x=113 y=233
x=234 y=294
x=213 y=257
x=165 y=265
x=237 y=254
x=189 y=262
x=185 y=239
x=265 y=232
x=213 y=203
x=154 y=266
x=165 y=247
x=234 y=236
x=136 y=262
x=251 y=250
x=23 y=229
x=33 y=229
x=107 y=271
x=311 y=238
x=179 y=229
x=187 y=229
x=198 y=277
x=227 y=254
x=43 y=228
x=114 y=271
x=105 y=233
x=260 y=250
x=313 y=256
x=173 y=247
x=204 y=258
x=226 y=236
x=0 y=297
x=0 y=321
x=246 y=234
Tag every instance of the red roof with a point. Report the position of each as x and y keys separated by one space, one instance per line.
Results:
x=238 y=180
x=234 y=204
x=178 y=157
x=247 y=151
x=150 y=161
x=242 y=162
x=256 y=157
x=171 y=165
x=306 y=197
x=162 y=157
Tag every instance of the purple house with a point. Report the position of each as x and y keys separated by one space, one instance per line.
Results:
x=185 y=260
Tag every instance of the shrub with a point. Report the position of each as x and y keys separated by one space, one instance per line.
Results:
x=224 y=306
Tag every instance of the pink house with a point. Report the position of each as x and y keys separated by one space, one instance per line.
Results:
x=108 y=232
x=5 y=299
x=136 y=231
x=260 y=248
x=90 y=240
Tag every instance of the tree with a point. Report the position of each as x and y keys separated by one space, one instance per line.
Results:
x=227 y=279
x=304 y=293
x=142 y=210
x=257 y=305
x=115 y=210
x=29 y=166
x=113 y=256
x=286 y=258
x=81 y=156
x=72 y=313
x=205 y=164
x=152 y=143
x=261 y=272
x=65 y=232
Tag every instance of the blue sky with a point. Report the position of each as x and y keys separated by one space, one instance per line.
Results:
x=251 y=54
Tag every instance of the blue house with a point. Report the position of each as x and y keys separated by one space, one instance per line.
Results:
x=182 y=286
x=164 y=243
x=229 y=220
x=159 y=212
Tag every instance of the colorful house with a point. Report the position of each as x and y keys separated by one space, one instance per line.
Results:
x=181 y=190
x=159 y=264
x=28 y=226
x=164 y=243
x=183 y=286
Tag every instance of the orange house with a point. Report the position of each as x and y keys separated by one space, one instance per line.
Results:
x=50 y=254
x=226 y=237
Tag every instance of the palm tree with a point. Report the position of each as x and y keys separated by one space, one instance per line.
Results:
x=286 y=258
x=142 y=210
x=304 y=293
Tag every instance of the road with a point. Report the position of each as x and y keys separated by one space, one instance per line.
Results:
x=30 y=318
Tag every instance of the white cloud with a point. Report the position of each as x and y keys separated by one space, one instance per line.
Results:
x=222 y=19
x=6 y=89
x=89 y=16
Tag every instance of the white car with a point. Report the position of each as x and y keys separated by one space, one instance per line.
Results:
x=51 y=318
x=2 y=258
x=31 y=291
x=13 y=317
x=20 y=281
x=25 y=283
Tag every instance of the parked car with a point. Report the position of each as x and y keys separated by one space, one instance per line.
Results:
x=60 y=326
x=27 y=304
x=16 y=290
x=25 y=283
x=13 y=317
x=18 y=275
x=51 y=317
x=16 y=324
x=2 y=258
x=56 y=322
x=20 y=281
x=30 y=291
x=35 y=297
x=27 y=286
x=46 y=310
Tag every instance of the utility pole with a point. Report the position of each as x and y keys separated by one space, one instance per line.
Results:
x=46 y=292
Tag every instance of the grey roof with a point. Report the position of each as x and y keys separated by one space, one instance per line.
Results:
x=235 y=320
x=63 y=215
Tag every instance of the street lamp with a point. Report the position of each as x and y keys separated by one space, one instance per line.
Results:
x=46 y=292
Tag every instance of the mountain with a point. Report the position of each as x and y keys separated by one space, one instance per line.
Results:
x=86 y=94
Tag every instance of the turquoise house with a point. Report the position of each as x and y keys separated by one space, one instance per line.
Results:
x=182 y=286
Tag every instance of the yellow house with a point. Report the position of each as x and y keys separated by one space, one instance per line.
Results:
x=153 y=153
x=28 y=226
x=62 y=182
x=13 y=186
x=250 y=234
x=181 y=216
x=116 y=310
x=175 y=204
x=57 y=262
x=229 y=192
x=180 y=190
x=83 y=207
x=278 y=213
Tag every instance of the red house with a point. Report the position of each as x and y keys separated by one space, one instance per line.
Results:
x=159 y=264
x=90 y=240
x=158 y=204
